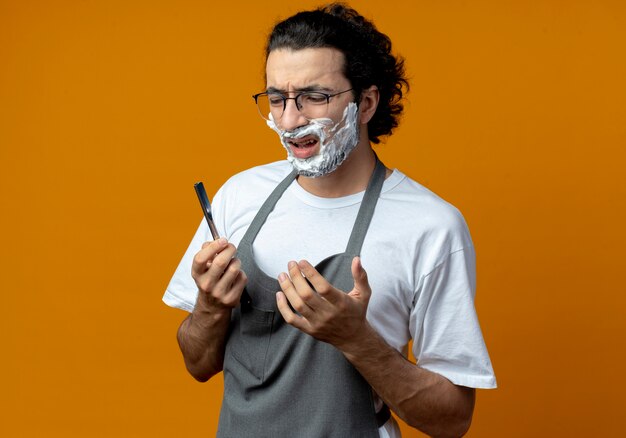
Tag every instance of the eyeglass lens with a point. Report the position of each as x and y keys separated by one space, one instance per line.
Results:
x=310 y=104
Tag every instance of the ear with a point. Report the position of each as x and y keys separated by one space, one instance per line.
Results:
x=368 y=104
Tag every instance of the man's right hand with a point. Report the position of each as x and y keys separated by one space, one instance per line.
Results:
x=218 y=275
x=220 y=281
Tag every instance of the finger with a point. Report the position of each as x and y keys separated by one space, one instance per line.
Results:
x=240 y=282
x=289 y=316
x=319 y=283
x=292 y=294
x=233 y=295
x=205 y=245
x=303 y=287
x=225 y=282
x=220 y=263
x=207 y=253
x=361 y=283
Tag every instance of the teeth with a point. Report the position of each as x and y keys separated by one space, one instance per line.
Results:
x=303 y=144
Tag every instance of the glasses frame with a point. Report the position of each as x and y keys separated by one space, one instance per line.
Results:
x=294 y=98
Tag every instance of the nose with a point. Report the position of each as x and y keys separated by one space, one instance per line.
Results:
x=292 y=118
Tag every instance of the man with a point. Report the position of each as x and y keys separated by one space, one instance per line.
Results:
x=311 y=344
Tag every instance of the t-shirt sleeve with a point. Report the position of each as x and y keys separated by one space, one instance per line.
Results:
x=182 y=292
x=448 y=341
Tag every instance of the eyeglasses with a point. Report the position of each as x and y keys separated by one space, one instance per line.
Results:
x=312 y=104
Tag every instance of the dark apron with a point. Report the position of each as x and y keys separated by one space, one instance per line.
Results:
x=279 y=381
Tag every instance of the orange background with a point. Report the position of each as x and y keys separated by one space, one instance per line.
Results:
x=110 y=110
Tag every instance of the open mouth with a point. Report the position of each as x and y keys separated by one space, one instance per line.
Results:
x=303 y=143
x=304 y=147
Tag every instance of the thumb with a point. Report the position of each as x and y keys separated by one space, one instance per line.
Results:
x=361 y=284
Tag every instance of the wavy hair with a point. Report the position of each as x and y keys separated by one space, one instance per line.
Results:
x=367 y=52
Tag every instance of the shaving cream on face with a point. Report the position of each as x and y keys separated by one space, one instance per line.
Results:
x=335 y=142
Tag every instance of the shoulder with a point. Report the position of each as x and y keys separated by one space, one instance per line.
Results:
x=421 y=210
x=416 y=226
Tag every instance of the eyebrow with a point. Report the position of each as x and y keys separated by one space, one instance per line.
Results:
x=313 y=87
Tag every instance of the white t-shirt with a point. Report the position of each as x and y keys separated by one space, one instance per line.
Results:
x=418 y=255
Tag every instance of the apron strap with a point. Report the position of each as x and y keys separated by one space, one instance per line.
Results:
x=266 y=209
x=366 y=211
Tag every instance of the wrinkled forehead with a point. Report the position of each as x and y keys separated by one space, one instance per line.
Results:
x=293 y=70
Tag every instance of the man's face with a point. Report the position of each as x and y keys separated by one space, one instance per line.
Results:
x=317 y=145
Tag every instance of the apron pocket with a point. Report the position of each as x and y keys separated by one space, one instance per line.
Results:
x=250 y=338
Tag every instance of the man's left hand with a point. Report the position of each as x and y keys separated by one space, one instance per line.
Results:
x=324 y=312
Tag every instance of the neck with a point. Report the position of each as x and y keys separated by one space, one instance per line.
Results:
x=352 y=176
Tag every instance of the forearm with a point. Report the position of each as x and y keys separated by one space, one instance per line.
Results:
x=202 y=335
x=201 y=338
x=423 y=399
